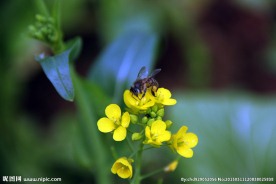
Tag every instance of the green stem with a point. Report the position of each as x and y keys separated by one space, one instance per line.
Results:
x=42 y=7
x=130 y=144
x=137 y=176
x=57 y=13
x=152 y=173
x=59 y=45
x=91 y=135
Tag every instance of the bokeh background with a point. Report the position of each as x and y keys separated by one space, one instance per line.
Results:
x=217 y=57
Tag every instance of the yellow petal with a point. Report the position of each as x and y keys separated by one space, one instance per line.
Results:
x=165 y=136
x=185 y=152
x=125 y=120
x=181 y=132
x=124 y=173
x=158 y=127
x=105 y=125
x=128 y=99
x=147 y=132
x=113 y=112
x=191 y=140
x=116 y=166
x=164 y=92
x=169 y=101
x=119 y=134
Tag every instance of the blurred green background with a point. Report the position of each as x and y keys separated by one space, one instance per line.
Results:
x=217 y=57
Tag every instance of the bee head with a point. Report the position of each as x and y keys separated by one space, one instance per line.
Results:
x=134 y=90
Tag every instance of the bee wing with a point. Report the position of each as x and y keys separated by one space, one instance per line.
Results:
x=156 y=71
x=143 y=73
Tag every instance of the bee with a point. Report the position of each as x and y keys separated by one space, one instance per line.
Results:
x=144 y=82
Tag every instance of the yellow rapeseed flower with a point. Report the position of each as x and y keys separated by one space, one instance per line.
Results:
x=157 y=133
x=163 y=96
x=122 y=167
x=137 y=104
x=182 y=142
x=114 y=122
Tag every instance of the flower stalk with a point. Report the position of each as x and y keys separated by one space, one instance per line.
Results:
x=137 y=177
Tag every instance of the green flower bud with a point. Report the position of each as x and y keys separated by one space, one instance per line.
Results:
x=158 y=118
x=154 y=108
x=152 y=114
x=32 y=29
x=40 y=18
x=38 y=35
x=44 y=30
x=161 y=112
x=150 y=121
x=136 y=136
x=53 y=38
x=145 y=119
x=168 y=123
x=133 y=118
x=51 y=20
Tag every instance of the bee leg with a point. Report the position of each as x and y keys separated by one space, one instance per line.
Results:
x=153 y=90
x=144 y=92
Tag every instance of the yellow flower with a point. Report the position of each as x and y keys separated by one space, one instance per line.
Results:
x=182 y=142
x=171 y=167
x=157 y=133
x=114 y=122
x=138 y=103
x=122 y=167
x=163 y=96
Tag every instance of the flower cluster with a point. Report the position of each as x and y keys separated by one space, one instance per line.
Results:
x=46 y=30
x=147 y=112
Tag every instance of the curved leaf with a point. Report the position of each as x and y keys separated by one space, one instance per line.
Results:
x=57 y=68
x=57 y=71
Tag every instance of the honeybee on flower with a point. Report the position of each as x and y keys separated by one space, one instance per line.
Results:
x=144 y=82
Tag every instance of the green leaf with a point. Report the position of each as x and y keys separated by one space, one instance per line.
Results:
x=57 y=68
x=119 y=64
x=57 y=71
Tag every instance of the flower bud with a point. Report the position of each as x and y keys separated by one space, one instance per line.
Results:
x=154 y=108
x=150 y=121
x=133 y=118
x=171 y=167
x=51 y=20
x=152 y=114
x=161 y=112
x=145 y=119
x=40 y=18
x=148 y=111
x=168 y=123
x=38 y=35
x=136 y=136
x=32 y=29
x=158 y=118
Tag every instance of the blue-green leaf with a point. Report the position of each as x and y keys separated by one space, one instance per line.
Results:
x=57 y=71
x=57 y=68
x=118 y=65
